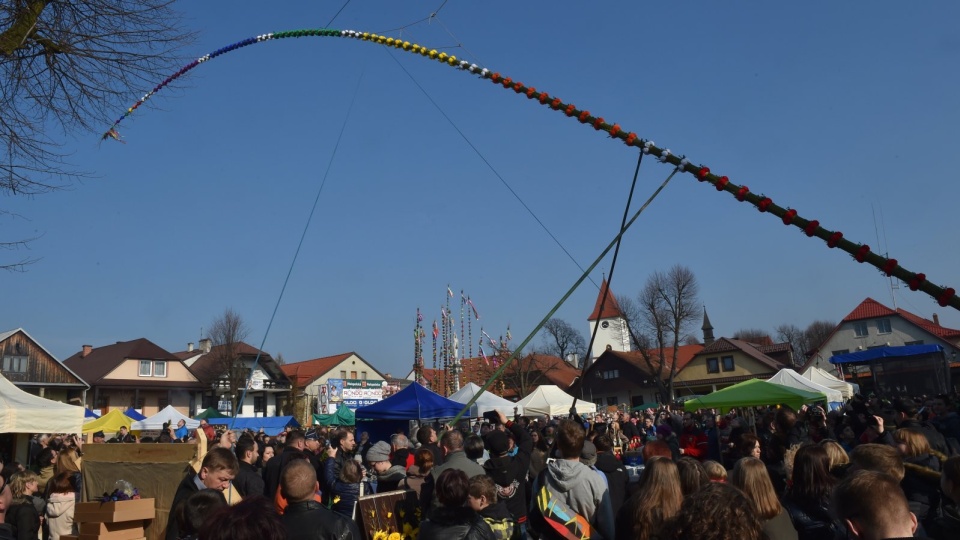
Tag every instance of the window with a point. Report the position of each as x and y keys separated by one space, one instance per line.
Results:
x=159 y=369
x=363 y=375
x=259 y=405
x=841 y=351
x=146 y=368
x=917 y=342
x=728 y=363
x=860 y=329
x=353 y=374
x=610 y=374
x=14 y=364
x=713 y=366
x=343 y=374
x=883 y=326
x=103 y=403
x=612 y=400
x=162 y=403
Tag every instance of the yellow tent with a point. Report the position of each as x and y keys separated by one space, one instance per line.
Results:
x=108 y=423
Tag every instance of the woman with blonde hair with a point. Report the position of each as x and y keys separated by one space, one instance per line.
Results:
x=921 y=466
x=838 y=456
x=750 y=476
x=68 y=462
x=23 y=514
x=657 y=500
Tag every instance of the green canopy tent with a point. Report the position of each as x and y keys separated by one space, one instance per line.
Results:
x=343 y=417
x=752 y=393
x=208 y=413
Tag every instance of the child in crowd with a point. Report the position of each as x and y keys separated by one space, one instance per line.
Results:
x=483 y=499
x=715 y=471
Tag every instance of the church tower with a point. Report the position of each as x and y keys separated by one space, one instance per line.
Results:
x=613 y=330
x=707 y=328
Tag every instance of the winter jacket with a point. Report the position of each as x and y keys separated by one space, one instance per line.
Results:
x=617 y=478
x=60 y=508
x=582 y=490
x=25 y=520
x=693 y=443
x=248 y=482
x=813 y=520
x=936 y=439
x=780 y=527
x=414 y=480
x=500 y=521
x=345 y=497
x=458 y=460
x=188 y=486
x=461 y=523
x=510 y=474
x=273 y=468
x=390 y=479
x=310 y=520
x=947 y=526
x=921 y=484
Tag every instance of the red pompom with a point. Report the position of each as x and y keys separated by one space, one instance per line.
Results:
x=811 y=227
x=518 y=87
x=788 y=217
x=889 y=267
x=507 y=82
x=742 y=193
x=570 y=109
x=631 y=138
x=531 y=91
x=702 y=173
x=544 y=97
x=722 y=183
x=862 y=253
x=555 y=103
x=598 y=123
x=947 y=295
x=614 y=130
x=834 y=239
x=917 y=281
x=584 y=115
x=495 y=77
x=763 y=204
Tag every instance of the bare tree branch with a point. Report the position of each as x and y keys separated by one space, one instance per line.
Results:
x=561 y=339
x=226 y=333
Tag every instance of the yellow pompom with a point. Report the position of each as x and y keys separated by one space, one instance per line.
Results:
x=389 y=41
x=365 y=35
x=433 y=53
x=406 y=45
x=424 y=51
x=442 y=57
x=452 y=60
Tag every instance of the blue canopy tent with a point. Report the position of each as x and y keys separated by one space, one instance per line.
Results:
x=909 y=369
x=272 y=425
x=89 y=415
x=133 y=414
x=414 y=402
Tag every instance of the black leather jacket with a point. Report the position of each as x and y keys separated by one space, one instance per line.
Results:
x=310 y=520
x=813 y=520
x=455 y=524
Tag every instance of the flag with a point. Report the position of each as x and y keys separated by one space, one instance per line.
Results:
x=474 y=308
x=114 y=134
x=483 y=355
x=492 y=341
x=419 y=316
x=443 y=313
x=436 y=331
x=449 y=292
x=509 y=336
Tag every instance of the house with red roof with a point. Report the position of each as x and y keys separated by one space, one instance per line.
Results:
x=871 y=325
x=727 y=361
x=520 y=378
x=613 y=333
x=619 y=378
x=323 y=380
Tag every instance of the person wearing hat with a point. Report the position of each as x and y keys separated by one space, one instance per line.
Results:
x=123 y=436
x=509 y=472
x=388 y=476
x=98 y=437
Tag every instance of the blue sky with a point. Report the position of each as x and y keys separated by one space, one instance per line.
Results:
x=840 y=111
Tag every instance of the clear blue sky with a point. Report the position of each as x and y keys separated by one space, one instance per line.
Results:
x=837 y=110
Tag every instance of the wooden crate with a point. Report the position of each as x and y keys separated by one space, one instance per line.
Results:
x=115 y=511
x=124 y=530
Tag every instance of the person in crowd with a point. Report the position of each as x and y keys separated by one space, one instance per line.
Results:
x=195 y=510
x=182 y=433
x=838 y=456
x=657 y=500
x=388 y=476
x=454 y=458
x=400 y=451
x=482 y=498
x=692 y=475
x=947 y=525
x=23 y=514
x=908 y=417
x=347 y=487
x=509 y=473
x=692 y=441
x=99 y=437
x=61 y=501
x=808 y=499
x=921 y=480
x=877 y=457
x=123 y=436
x=46 y=465
x=614 y=471
x=6 y=499
x=208 y=430
x=474 y=449
x=292 y=450
x=573 y=484
x=305 y=518
x=666 y=435
x=249 y=481
x=749 y=446
x=452 y=519
x=945 y=418
x=250 y=519
x=266 y=451
x=750 y=476
x=218 y=468
x=68 y=460
x=312 y=444
x=873 y=507
x=416 y=475
x=343 y=447
x=363 y=445
x=715 y=471
x=655 y=448
x=539 y=454
x=716 y=512
x=427 y=437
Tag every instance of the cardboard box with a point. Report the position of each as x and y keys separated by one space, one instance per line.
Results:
x=114 y=511
x=124 y=530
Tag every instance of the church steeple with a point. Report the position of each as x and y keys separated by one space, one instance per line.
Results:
x=707 y=328
x=612 y=332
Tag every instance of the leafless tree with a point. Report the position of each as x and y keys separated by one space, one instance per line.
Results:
x=659 y=319
x=561 y=338
x=817 y=333
x=792 y=334
x=226 y=334
x=753 y=335
x=67 y=66
x=526 y=373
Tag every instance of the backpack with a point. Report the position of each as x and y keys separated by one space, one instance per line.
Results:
x=552 y=518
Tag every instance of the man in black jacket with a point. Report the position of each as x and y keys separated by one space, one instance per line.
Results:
x=305 y=518
x=218 y=468
x=248 y=481
x=292 y=451
x=509 y=473
x=613 y=469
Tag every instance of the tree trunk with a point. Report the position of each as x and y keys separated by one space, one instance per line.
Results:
x=23 y=25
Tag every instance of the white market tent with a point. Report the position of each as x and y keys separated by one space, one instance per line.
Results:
x=825 y=378
x=167 y=414
x=789 y=377
x=550 y=399
x=22 y=412
x=486 y=402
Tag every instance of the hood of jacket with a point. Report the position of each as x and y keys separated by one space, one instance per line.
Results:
x=395 y=473
x=565 y=474
x=608 y=463
x=498 y=512
x=60 y=503
x=503 y=470
x=925 y=466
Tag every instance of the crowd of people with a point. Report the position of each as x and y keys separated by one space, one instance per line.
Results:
x=873 y=469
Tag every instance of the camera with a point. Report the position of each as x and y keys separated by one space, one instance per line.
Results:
x=492 y=416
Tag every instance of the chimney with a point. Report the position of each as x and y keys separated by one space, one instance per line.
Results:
x=87 y=349
x=190 y=347
x=936 y=319
x=206 y=345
